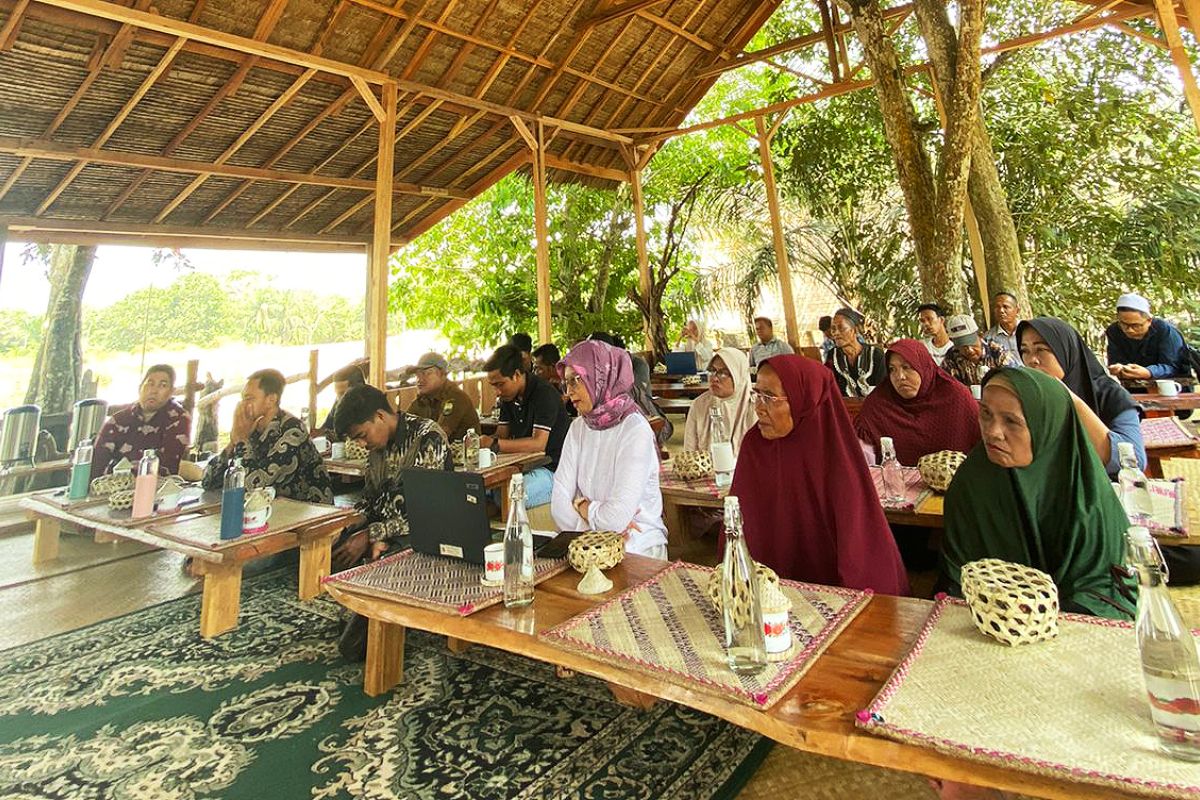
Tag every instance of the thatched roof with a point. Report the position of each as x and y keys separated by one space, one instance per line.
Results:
x=109 y=113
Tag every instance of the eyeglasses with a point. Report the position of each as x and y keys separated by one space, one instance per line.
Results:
x=574 y=382
x=720 y=374
x=762 y=399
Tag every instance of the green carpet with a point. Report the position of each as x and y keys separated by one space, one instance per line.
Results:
x=142 y=707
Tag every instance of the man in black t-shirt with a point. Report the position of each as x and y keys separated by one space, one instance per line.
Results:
x=532 y=419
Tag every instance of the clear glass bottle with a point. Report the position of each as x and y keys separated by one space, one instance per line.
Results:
x=1135 y=488
x=233 y=500
x=741 y=609
x=81 y=471
x=471 y=450
x=518 y=548
x=720 y=446
x=1168 y=650
x=893 y=475
x=145 y=485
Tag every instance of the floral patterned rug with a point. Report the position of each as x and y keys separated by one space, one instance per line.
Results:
x=142 y=707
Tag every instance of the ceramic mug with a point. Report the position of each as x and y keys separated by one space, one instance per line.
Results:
x=486 y=458
x=1168 y=388
x=338 y=450
x=321 y=443
x=257 y=509
x=777 y=633
x=977 y=391
x=493 y=563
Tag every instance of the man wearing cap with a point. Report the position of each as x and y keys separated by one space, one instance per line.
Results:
x=1007 y=314
x=1143 y=346
x=768 y=344
x=441 y=400
x=972 y=356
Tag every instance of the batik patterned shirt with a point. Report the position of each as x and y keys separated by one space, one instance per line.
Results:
x=971 y=372
x=280 y=455
x=417 y=442
x=126 y=434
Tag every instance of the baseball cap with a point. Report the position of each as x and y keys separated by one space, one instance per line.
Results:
x=1133 y=302
x=962 y=329
x=433 y=360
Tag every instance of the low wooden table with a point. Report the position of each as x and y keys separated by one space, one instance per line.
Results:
x=1158 y=405
x=678 y=391
x=817 y=715
x=195 y=531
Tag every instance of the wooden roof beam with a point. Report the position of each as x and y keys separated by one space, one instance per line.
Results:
x=618 y=11
x=12 y=25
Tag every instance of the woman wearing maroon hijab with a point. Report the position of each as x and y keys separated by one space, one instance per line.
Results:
x=920 y=406
x=808 y=503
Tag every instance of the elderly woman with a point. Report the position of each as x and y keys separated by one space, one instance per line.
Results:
x=607 y=476
x=1033 y=492
x=728 y=391
x=920 y=406
x=809 y=506
x=1107 y=411
x=857 y=366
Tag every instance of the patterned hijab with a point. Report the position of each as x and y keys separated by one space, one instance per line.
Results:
x=607 y=372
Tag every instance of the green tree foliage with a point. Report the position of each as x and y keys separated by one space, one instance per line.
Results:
x=19 y=332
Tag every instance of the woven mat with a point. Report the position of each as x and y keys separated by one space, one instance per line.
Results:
x=1169 y=499
x=441 y=584
x=915 y=488
x=667 y=627
x=667 y=479
x=1166 y=432
x=1073 y=708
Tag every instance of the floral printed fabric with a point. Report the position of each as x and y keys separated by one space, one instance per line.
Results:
x=280 y=455
x=126 y=434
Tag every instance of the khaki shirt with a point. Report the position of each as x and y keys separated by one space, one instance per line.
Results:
x=450 y=408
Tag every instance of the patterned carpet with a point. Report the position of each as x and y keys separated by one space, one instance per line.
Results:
x=142 y=707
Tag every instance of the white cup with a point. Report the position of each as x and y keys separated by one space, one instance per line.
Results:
x=777 y=633
x=493 y=563
x=1168 y=388
x=977 y=391
x=321 y=443
x=258 y=510
x=338 y=450
x=169 y=501
x=486 y=458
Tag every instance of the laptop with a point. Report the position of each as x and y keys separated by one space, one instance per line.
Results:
x=680 y=363
x=447 y=513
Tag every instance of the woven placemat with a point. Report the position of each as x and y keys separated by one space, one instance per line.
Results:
x=1166 y=432
x=1073 y=708
x=434 y=582
x=915 y=488
x=1168 y=496
x=668 y=627
x=667 y=479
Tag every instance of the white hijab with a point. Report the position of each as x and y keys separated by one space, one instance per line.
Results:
x=737 y=409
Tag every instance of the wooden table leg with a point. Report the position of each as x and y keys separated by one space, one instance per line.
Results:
x=457 y=646
x=632 y=697
x=222 y=597
x=45 y=540
x=315 y=557
x=503 y=495
x=385 y=657
x=673 y=519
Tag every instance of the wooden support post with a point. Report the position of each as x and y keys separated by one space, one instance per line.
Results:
x=457 y=646
x=639 y=220
x=222 y=597
x=542 y=232
x=381 y=241
x=1170 y=26
x=781 y=257
x=313 y=355
x=315 y=558
x=385 y=657
x=3 y=242
x=45 y=540
x=189 y=389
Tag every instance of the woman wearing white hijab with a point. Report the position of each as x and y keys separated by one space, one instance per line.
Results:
x=694 y=339
x=728 y=390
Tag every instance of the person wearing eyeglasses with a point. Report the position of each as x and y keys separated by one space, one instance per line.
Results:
x=1141 y=346
x=442 y=400
x=809 y=505
x=729 y=391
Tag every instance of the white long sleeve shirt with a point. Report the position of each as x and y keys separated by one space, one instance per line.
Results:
x=617 y=471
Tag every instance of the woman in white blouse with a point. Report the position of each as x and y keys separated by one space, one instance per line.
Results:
x=607 y=476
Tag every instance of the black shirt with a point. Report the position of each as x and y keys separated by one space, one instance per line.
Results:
x=540 y=406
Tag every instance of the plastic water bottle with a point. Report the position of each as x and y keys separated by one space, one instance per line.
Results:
x=81 y=471
x=471 y=450
x=1168 y=650
x=1135 y=488
x=721 y=447
x=233 y=500
x=518 y=548
x=745 y=642
x=893 y=475
x=145 y=485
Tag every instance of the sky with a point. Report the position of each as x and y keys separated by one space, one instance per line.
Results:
x=121 y=270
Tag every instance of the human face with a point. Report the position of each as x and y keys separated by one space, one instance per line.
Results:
x=771 y=405
x=843 y=332
x=155 y=391
x=546 y=371
x=971 y=352
x=257 y=402
x=507 y=389
x=430 y=380
x=1002 y=424
x=720 y=380
x=1037 y=354
x=577 y=391
x=1134 y=324
x=374 y=433
x=904 y=376
x=1005 y=311
x=932 y=325
x=340 y=388
x=764 y=330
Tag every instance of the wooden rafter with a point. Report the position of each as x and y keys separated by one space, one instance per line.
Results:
x=617 y=11
x=12 y=25
x=78 y=229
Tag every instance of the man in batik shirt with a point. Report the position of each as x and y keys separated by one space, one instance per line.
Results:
x=972 y=357
x=155 y=422
x=396 y=441
x=274 y=446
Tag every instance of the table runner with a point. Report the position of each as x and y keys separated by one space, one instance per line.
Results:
x=667 y=627
x=915 y=488
x=667 y=479
x=1166 y=432
x=1073 y=708
x=434 y=582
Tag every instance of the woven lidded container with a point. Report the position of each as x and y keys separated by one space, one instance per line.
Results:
x=355 y=451
x=691 y=465
x=937 y=469
x=1012 y=603
x=765 y=575
x=601 y=549
x=105 y=485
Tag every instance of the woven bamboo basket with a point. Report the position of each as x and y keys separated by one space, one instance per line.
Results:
x=1011 y=603
x=692 y=465
x=937 y=469
x=592 y=552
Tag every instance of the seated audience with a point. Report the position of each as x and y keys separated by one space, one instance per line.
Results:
x=768 y=344
x=922 y=408
x=932 y=318
x=809 y=505
x=972 y=356
x=274 y=446
x=827 y=344
x=1034 y=492
x=344 y=380
x=694 y=339
x=545 y=364
x=644 y=397
x=524 y=343
x=155 y=422
x=857 y=367
x=395 y=441
x=728 y=390
x=442 y=400
x=1007 y=314
x=532 y=419
x=1142 y=346
x=607 y=477
x=1105 y=409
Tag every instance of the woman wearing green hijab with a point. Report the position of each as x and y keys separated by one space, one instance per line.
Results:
x=1034 y=492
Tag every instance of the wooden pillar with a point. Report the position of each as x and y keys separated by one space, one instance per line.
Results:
x=542 y=232
x=3 y=242
x=312 y=388
x=781 y=257
x=1170 y=26
x=639 y=220
x=381 y=241
x=189 y=391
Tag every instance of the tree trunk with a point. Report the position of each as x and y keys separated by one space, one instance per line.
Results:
x=54 y=384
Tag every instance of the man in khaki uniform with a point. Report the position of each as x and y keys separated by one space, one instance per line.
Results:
x=442 y=400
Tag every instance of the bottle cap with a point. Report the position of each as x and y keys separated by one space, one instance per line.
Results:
x=1138 y=533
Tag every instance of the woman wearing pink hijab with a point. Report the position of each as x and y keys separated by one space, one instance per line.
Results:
x=809 y=506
